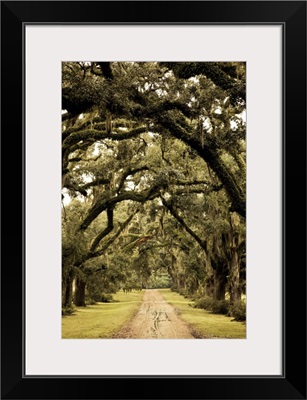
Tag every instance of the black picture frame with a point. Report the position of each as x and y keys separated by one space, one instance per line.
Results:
x=292 y=383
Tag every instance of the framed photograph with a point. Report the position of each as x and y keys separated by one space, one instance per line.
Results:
x=154 y=185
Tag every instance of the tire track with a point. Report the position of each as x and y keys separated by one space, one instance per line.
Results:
x=156 y=319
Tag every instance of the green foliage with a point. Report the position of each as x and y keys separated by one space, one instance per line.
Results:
x=204 y=302
x=238 y=311
x=159 y=280
x=89 y=301
x=69 y=310
x=137 y=134
x=106 y=298
x=215 y=306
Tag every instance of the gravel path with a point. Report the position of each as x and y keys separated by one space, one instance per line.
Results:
x=156 y=319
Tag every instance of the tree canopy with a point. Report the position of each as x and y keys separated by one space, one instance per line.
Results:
x=153 y=177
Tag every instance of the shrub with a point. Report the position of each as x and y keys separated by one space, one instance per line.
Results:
x=68 y=310
x=220 y=307
x=215 y=306
x=106 y=298
x=204 y=302
x=238 y=311
x=89 y=301
x=183 y=293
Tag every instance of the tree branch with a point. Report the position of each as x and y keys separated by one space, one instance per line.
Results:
x=212 y=158
x=174 y=213
x=211 y=70
x=96 y=182
x=196 y=191
x=112 y=239
x=103 y=204
x=191 y=183
x=129 y=172
x=94 y=135
x=71 y=186
x=105 y=231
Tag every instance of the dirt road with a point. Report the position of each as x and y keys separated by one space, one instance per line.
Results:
x=156 y=319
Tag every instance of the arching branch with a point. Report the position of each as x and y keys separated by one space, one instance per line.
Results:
x=209 y=154
x=112 y=239
x=105 y=231
x=129 y=172
x=174 y=213
x=214 y=72
x=94 y=135
x=102 y=204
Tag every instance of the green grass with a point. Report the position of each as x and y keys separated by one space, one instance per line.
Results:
x=202 y=323
x=101 y=320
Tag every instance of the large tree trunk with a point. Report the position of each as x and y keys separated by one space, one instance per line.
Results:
x=220 y=272
x=209 y=282
x=80 y=293
x=235 y=290
x=182 y=282
x=209 y=287
x=220 y=287
x=174 y=273
x=234 y=284
x=67 y=290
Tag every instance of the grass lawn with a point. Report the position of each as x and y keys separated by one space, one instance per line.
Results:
x=202 y=323
x=101 y=320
